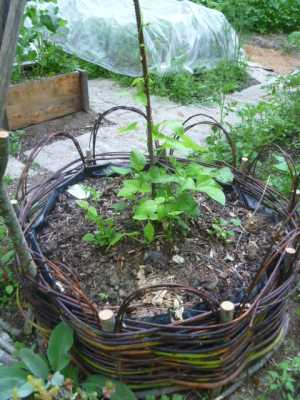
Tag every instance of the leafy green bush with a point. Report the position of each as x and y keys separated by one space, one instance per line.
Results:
x=275 y=120
x=259 y=15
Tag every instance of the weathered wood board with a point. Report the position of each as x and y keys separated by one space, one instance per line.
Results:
x=36 y=101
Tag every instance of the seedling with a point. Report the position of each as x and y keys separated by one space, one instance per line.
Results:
x=221 y=228
x=106 y=234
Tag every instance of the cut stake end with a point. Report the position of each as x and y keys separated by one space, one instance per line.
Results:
x=107 y=319
x=3 y=134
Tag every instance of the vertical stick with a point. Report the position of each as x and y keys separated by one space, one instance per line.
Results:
x=244 y=165
x=146 y=79
x=11 y=14
x=9 y=216
x=107 y=319
x=226 y=311
x=226 y=315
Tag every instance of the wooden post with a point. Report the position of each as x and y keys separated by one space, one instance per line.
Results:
x=10 y=19
x=83 y=76
x=107 y=319
x=226 y=311
x=290 y=253
x=244 y=165
x=226 y=315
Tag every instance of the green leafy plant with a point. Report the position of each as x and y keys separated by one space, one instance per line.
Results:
x=173 y=203
x=106 y=234
x=7 y=255
x=275 y=121
x=259 y=16
x=35 y=376
x=36 y=56
x=15 y=144
x=284 y=380
x=222 y=228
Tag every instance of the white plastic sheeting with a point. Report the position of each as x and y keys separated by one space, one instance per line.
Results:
x=180 y=35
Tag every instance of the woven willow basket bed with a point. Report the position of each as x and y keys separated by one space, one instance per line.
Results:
x=195 y=353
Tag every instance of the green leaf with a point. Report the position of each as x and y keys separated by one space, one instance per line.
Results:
x=9 y=289
x=149 y=232
x=11 y=378
x=141 y=98
x=117 y=237
x=25 y=390
x=34 y=363
x=60 y=343
x=8 y=257
x=129 y=128
x=224 y=175
x=120 y=206
x=214 y=192
x=138 y=160
x=190 y=144
x=120 y=170
x=89 y=238
x=146 y=210
x=130 y=187
x=83 y=204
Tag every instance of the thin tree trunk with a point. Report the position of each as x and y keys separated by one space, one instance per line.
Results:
x=11 y=13
x=9 y=216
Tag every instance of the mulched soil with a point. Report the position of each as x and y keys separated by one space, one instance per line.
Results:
x=223 y=268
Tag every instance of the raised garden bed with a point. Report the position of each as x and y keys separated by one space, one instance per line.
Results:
x=41 y=100
x=151 y=346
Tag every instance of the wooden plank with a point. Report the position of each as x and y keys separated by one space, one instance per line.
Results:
x=10 y=24
x=41 y=100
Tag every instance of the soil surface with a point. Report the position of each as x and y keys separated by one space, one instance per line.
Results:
x=269 y=51
x=201 y=259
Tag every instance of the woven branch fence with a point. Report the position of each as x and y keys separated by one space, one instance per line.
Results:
x=198 y=352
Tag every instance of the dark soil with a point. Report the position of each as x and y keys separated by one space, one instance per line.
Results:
x=223 y=268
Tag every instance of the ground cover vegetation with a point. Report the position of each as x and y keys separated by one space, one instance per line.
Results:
x=259 y=16
x=37 y=57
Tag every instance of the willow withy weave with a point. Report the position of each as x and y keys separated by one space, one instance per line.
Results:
x=198 y=352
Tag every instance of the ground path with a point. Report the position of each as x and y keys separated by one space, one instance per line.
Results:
x=105 y=94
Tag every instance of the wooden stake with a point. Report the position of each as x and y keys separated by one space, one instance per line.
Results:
x=15 y=206
x=107 y=319
x=244 y=165
x=290 y=253
x=226 y=315
x=226 y=311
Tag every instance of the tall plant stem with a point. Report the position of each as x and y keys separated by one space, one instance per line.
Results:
x=144 y=62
